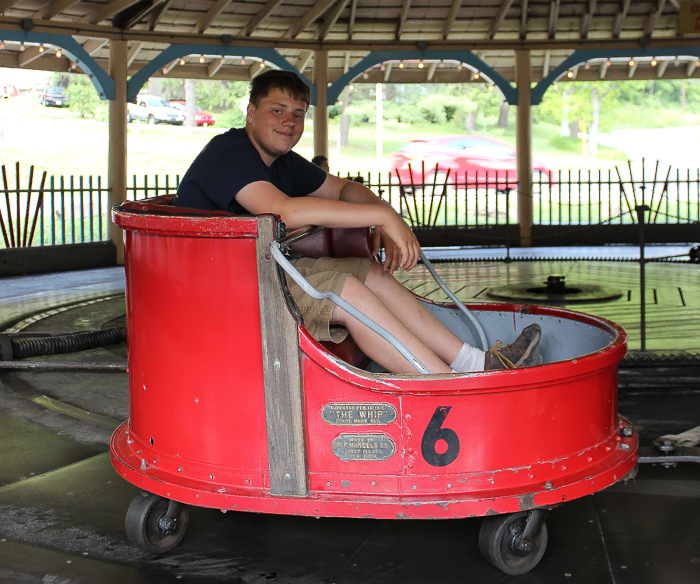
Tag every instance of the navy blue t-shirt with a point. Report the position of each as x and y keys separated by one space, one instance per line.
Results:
x=229 y=162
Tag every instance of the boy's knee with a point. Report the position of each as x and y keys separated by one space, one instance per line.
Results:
x=353 y=289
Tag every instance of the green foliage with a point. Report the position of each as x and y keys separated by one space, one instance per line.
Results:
x=361 y=111
x=486 y=101
x=60 y=80
x=211 y=96
x=565 y=143
x=83 y=97
x=173 y=89
x=214 y=95
x=230 y=118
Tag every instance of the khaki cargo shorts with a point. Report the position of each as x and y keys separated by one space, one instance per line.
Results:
x=325 y=274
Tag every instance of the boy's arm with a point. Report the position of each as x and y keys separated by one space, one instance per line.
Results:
x=336 y=188
x=332 y=211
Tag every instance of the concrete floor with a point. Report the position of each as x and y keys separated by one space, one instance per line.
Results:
x=62 y=506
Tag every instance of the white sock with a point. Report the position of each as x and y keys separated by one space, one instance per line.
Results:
x=468 y=359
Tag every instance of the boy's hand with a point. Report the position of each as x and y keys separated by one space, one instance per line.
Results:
x=401 y=247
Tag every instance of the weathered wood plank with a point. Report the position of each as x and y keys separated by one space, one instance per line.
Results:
x=281 y=372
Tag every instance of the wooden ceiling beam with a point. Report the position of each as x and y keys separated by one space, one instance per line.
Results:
x=204 y=22
x=214 y=66
x=304 y=60
x=388 y=43
x=545 y=66
x=447 y=25
x=523 y=19
x=255 y=69
x=587 y=18
x=91 y=46
x=332 y=19
x=654 y=18
x=155 y=16
x=431 y=70
x=387 y=72
x=54 y=8
x=312 y=14
x=604 y=70
x=351 y=22
x=30 y=54
x=632 y=70
x=262 y=14
x=500 y=15
x=403 y=16
x=107 y=10
x=133 y=52
x=690 y=69
x=620 y=18
x=662 y=68
x=170 y=66
x=5 y=4
x=553 y=18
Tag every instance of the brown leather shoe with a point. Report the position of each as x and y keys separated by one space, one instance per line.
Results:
x=520 y=352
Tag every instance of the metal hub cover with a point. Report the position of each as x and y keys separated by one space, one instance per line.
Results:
x=555 y=290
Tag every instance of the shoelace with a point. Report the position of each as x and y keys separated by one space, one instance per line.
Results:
x=496 y=352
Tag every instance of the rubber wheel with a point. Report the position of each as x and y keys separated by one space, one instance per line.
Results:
x=498 y=543
x=152 y=119
x=145 y=523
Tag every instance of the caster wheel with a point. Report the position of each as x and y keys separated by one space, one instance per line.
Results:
x=156 y=524
x=502 y=544
x=694 y=253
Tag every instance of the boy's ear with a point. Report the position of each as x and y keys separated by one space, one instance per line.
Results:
x=249 y=111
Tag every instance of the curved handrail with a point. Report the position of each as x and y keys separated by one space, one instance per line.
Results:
x=464 y=309
x=327 y=295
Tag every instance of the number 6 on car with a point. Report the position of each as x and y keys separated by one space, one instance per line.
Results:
x=435 y=432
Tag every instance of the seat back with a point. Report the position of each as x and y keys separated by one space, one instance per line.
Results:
x=353 y=242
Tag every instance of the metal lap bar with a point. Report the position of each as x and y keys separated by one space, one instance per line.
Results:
x=451 y=296
x=327 y=295
x=298 y=235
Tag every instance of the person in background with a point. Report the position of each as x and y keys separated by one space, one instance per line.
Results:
x=321 y=161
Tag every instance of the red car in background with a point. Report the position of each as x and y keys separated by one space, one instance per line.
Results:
x=201 y=117
x=459 y=154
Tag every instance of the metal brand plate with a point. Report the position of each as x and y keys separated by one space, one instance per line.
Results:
x=358 y=414
x=349 y=447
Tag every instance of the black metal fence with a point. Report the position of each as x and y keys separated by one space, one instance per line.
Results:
x=75 y=209
x=559 y=198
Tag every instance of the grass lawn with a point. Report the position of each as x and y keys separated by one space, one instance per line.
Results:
x=56 y=140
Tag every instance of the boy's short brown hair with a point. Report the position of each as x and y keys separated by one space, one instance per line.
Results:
x=290 y=83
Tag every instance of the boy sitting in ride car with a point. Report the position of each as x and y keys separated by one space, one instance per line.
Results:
x=254 y=170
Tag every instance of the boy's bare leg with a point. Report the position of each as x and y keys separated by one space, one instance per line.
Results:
x=375 y=347
x=421 y=322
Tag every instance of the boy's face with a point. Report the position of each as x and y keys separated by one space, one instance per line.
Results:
x=276 y=125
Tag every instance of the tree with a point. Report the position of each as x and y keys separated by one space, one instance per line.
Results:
x=82 y=95
x=223 y=97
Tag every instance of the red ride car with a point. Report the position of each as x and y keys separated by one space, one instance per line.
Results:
x=460 y=154
x=201 y=117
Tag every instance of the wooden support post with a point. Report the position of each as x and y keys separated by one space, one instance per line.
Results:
x=284 y=410
x=524 y=146
x=321 y=107
x=116 y=164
